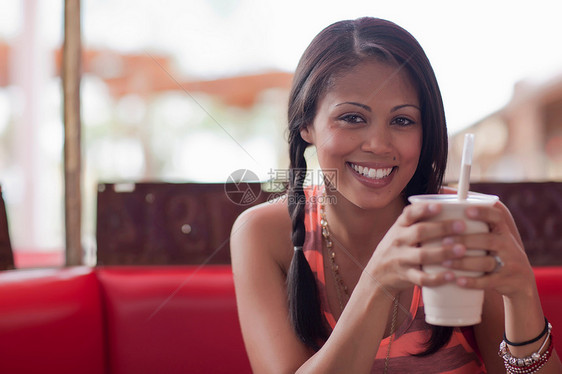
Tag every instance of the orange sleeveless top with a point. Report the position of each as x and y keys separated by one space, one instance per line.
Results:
x=457 y=357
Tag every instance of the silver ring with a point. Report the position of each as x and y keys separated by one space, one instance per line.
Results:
x=499 y=264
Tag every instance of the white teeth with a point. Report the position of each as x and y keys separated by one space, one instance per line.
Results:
x=372 y=173
x=382 y=173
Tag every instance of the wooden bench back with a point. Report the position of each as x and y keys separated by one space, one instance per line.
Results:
x=537 y=210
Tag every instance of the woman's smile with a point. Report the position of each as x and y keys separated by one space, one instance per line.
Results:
x=375 y=177
x=371 y=173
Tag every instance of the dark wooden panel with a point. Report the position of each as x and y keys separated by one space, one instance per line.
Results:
x=6 y=254
x=537 y=211
x=169 y=223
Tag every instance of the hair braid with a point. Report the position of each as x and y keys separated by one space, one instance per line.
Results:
x=304 y=302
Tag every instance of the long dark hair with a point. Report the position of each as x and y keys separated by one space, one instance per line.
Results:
x=335 y=49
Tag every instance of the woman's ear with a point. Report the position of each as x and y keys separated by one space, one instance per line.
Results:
x=307 y=133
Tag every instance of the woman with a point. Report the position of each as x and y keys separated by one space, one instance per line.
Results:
x=333 y=286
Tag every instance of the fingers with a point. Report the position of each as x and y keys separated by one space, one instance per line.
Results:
x=483 y=268
x=413 y=258
x=445 y=243
x=453 y=258
x=505 y=269
x=416 y=212
x=419 y=228
x=424 y=232
x=481 y=264
x=482 y=282
x=424 y=279
x=493 y=216
x=496 y=216
x=438 y=252
x=516 y=282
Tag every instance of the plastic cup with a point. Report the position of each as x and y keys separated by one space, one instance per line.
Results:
x=449 y=304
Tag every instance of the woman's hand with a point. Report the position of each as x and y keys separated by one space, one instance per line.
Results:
x=396 y=262
x=521 y=314
x=506 y=268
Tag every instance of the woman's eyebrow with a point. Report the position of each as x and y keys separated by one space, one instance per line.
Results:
x=366 y=107
x=404 y=106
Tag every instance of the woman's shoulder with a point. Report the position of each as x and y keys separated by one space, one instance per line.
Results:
x=270 y=215
x=264 y=228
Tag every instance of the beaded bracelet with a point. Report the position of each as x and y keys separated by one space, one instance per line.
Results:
x=530 y=364
x=511 y=369
x=530 y=370
x=528 y=341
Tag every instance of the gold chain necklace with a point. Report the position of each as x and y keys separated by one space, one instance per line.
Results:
x=340 y=285
x=392 y=331
x=341 y=288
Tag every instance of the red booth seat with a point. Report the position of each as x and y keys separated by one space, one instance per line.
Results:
x=120 y=320
x=51 y=321
x=135 y=320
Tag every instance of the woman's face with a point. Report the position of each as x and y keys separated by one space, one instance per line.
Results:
x=368 y=128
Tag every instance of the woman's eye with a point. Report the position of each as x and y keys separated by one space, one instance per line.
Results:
x=402 y=121
x=352 y=118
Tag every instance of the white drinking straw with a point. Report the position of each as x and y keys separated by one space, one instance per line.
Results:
x=466 y=163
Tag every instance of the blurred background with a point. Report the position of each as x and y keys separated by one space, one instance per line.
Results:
x=190 y=91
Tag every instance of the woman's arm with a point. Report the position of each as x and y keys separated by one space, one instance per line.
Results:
x=261 y=251
x=259 y=280
x=489 y=332
x=261 y=295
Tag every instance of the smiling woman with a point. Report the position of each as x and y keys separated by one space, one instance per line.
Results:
x=329 y=279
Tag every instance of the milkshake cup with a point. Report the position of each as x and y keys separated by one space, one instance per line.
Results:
x=450 y=304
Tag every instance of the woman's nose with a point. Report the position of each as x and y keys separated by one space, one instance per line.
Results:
x=377 y=139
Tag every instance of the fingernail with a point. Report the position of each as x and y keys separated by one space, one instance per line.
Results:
x=458 y=249
x=433 y=208
x=447 y=263
x=462 y=281
x=448 y=241
x=472 y=212
x=458 y=226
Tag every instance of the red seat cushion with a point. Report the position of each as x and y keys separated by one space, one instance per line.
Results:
x=51 y=322
x=172 y=320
